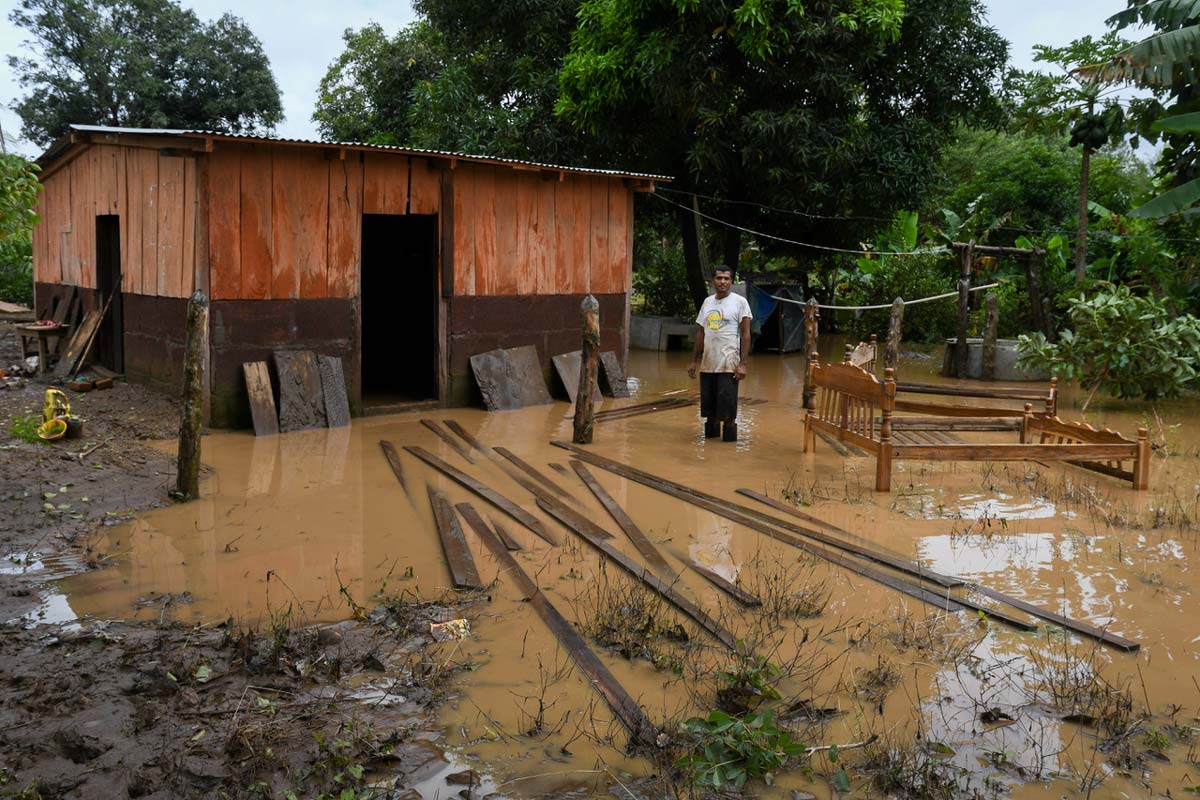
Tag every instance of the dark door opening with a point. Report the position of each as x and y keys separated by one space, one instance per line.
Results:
x=110 y=339
x=399 y=307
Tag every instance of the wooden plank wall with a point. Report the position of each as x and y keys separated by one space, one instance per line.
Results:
x=155 y=197
x=286 y=222
x=527 y=232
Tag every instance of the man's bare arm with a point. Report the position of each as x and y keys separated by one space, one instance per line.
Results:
x=697 y=352
x=744 y=341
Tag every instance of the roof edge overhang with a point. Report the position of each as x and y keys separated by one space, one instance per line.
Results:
x=79 y=137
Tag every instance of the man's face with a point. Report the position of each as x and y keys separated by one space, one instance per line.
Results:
x=722 y=282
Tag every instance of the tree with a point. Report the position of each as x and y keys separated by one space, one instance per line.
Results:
x=140 y=63
x=1166 y=63
x=1067 y=101
x=18 y=195
x=835 y=108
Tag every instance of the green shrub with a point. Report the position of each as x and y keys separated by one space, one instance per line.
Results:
x=16 y=271
x=911 y=277
x=660 y=279
x=730 y=751
x=1127 y=345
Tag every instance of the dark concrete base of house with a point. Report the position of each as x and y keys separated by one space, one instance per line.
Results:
x=250 y=330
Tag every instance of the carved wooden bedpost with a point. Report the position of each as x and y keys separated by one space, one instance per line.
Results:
x=812 y=315
x=883 y=463
x=874 y=354
x=1141 y=467
x=1025 y=422
x=1052 y=399
x=847 y=351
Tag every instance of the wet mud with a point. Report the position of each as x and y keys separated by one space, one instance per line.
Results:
x=315 y=525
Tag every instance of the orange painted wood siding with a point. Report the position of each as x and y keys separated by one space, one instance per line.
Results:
x=526 y=232
x=153 y=195
x=286 y=222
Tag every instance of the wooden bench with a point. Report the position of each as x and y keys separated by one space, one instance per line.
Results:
x=855 y=408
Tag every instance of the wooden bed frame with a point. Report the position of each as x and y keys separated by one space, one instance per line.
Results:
x=855 y=408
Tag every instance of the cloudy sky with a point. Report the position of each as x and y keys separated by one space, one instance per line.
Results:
x=302 y=37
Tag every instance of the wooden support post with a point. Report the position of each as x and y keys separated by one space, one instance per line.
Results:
x=1033 y=286
x=1052 y=399
x=1025 y=421
x=187 y=487
x=895 y=325
x=991 y=322
x=874 y=353
x=589 y=314
x=964 y=308
x=883 y=462
x=812 y=317
x=1141 y=466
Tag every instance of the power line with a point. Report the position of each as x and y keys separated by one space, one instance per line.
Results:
x=857 y=252
x=851 y=217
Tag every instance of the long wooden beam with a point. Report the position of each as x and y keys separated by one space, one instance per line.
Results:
x=393 y=459
x=642 y=542
x=476 y=523
x=727 y=510
x=729 y=588
x=455 y=445
x=533 y=472
x=1078 y=626
x=1014 y=452
x=623 y=706
x=574 y=522
x=948 y=390
x=487 y=493
x=454 y=544
x=454 y=425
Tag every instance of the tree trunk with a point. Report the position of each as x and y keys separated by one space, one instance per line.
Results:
x=589 y=317
x=191 y=415
x=1081 y=233
x=694 y=257
x=733 y=250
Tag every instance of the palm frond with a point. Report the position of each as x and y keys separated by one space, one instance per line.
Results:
x=1159 y=13
x=1150 y=62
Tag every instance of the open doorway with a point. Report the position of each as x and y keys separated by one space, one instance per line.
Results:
x=399 y=306
x=110 y=339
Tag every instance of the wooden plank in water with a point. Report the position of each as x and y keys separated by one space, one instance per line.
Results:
x=455 y=445
x=731 y=589
x=491 y=495
x=612 y=378
x=510 y=378
x=500 y=530
x=532 y=472
x=541 y=494
x=476 y=523
x=301 y=401
x=653 y=405
x=567 y=367
x=333 y=388
x=453 y=425
x=1084 y=628
x=454 y=544
x=559 y=468
x=666 y=406
x=393 y=459
x=623 y=706
x=642 y=542
x=262 y=398
x=837 y=446
x=579 y=525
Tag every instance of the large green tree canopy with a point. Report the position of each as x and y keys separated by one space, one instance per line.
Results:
x=148 y=63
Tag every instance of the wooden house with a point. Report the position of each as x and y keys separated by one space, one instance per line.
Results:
x=402 y=262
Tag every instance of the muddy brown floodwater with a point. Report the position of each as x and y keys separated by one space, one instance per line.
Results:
x=313 y=523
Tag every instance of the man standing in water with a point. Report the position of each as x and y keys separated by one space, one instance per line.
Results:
x=722 y=347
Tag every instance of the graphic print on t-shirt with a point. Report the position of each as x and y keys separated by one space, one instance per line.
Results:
x=714 y=319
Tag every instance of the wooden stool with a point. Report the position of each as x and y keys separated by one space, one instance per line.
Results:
x=42 y=334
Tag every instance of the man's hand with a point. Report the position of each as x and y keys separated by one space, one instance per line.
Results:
x=741 y=372
x=692 y=367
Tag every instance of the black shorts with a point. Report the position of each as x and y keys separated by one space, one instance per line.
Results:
x=718 y=395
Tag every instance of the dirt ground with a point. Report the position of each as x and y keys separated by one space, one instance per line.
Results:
x=158 y=709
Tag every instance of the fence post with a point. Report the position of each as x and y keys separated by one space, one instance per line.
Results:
x=991 y=322
x=964 y=303
x=589 y=314
x=892 y=357
x=812 y=316
x=883 y=461
x=187 y=486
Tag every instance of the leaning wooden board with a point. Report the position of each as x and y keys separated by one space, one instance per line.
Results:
x=333 y=389
x=77 y=343
x=301 y=398
x=612 y=378
x=568 y=365
x=262 y=398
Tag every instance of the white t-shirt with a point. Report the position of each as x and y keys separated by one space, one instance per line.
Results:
x=720 y=320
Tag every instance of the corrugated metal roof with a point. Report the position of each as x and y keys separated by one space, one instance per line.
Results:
x=54 y=149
